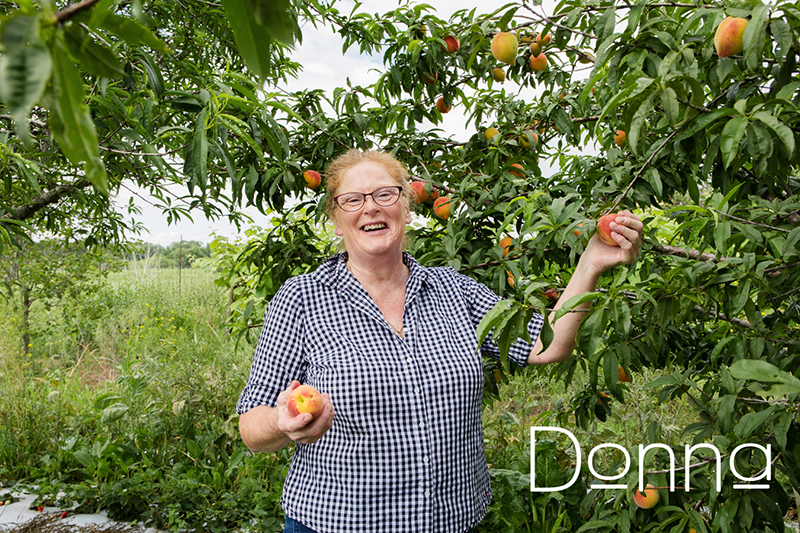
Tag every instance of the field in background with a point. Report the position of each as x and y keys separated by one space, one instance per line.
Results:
x=126 y=403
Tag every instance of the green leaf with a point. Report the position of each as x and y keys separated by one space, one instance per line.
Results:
x=153 y=73
x=639 y=121
x=277 y=18
x=750 y=422
x=94 y=58
x=70 y=122
x=133 y=32
x=25 y=67
x=753 y=38
x=200 y=151
x=764 y=372
x=732 y=135
x=669 y=101
x=491 y=319
x=783 y=132
x=253 y=40
x=114 y=412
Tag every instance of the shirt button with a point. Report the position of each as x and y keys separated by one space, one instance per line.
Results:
x=416 y=390
x=422 y=424
x=427 y=493
x=409 y=360
x=426 y=460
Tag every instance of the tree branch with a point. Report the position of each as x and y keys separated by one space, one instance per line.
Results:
x=52 y=196
x=73 y=9
x=687 y=253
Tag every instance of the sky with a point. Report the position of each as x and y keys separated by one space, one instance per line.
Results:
x=323 y=67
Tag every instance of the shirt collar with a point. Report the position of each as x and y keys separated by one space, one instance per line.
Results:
x=333 y=272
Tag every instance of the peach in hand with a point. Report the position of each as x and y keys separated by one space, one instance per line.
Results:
x=304 y=399
x=604 y=229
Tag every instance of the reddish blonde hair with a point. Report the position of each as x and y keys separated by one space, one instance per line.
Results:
x=343 y=163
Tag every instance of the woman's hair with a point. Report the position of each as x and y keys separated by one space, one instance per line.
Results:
x=343 y=163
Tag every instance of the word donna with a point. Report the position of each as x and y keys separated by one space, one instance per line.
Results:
x=766 y=474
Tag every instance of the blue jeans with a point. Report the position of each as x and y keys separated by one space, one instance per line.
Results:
x=293 y=526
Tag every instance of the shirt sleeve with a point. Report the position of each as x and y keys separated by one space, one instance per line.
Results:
x=279 y=355
x=481 y=300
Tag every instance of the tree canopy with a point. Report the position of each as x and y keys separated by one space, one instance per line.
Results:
x=104 y=95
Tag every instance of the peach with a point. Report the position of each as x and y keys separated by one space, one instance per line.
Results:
x=604 y=229
x=313 y=179
x=507 y=244
x=623 y=376
x=490 y=132
x=538 y=63
x=419 y=192
x=510 y=283
x=504 y=47
x=432 y=196
x=305 y=399
x=452 y=44
x=728 y=39
x=430 y=77
x=649 y=499
x=536 y=49
x=518 y=173
x=619 y=137
x=551 y=295
x=442 y=106
x=544 y=40
x=441 y=206
x=577 y=232
x=523 y=140
x=499 y=75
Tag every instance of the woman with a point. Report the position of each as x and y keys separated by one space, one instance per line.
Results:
x=392 y=345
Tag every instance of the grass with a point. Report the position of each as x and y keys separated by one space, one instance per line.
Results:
x=127 y=403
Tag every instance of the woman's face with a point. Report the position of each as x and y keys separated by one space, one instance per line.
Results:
x=373 y=230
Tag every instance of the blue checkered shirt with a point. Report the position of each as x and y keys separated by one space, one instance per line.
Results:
x=405 y=452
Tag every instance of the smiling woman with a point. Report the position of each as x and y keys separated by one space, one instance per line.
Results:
x=393 y=346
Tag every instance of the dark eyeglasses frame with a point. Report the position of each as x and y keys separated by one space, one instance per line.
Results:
x=364 y=198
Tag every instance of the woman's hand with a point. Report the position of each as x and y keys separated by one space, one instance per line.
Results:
x=627 y=232
x=302 y=428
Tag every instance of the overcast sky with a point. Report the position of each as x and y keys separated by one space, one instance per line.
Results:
x=323 y=67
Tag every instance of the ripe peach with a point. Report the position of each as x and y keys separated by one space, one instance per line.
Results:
x=510 y=280
x=538 y=63
x=728 y=40
x=452 y=44
x=313 y=179
x=441 y=206
x=442 y=106
x=518 y=173
x=507 y=244
x=434 y=194
x=419 y=192
x=576 y=232
x=305 y=399
x=499 y=75
x=523 y=140
x=544 y=40
x=490 y=132
x=504 y=47
x=536 y=49
x=619 y=137
x=649 y=499
x=551 y=295
x=430 y=77
x=604 y=230
x=623 y=376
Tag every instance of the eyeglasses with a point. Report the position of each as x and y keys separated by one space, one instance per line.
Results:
x=353 y=201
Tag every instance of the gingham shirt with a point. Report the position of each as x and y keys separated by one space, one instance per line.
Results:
x=405 y=452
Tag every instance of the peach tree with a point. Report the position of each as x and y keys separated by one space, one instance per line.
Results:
x=635 y=107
